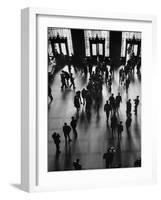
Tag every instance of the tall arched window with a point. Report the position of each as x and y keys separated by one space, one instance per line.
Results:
x=62 y=32
x=128 y=35
x=93 y=34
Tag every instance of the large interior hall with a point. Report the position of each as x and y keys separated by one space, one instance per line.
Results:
x=94 y=99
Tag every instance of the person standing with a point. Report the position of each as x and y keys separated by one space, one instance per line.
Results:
x=84 y=94
x=120 y=129
x=72 y=81
x=136 y=103
x=107 y=109
x=113 y=123
x=73 y=124
x=77 y=165
x=49 y=94
x=128 y=107
x=66 y=131
x=108 y=156
x=56 y=139
x=77 y=102
x=128 y=123
x=118 y=100
x=112 y=102
x=63 y=81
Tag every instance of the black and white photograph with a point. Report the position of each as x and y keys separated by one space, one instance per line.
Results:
x=94 y=99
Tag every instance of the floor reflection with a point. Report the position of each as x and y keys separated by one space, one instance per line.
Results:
x=94 y=133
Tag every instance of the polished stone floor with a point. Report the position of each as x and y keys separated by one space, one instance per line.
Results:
x=94 y=136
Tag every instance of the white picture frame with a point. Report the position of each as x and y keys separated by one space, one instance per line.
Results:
x=30 y=138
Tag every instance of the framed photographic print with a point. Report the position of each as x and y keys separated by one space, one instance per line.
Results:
x=87 y=117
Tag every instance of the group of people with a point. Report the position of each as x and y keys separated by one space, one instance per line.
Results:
x=126 y=73
x=66 y=130
x=67 y=80
x=111 y=108
x=92 y=95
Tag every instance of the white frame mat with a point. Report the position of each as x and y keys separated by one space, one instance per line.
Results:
x=34 y=176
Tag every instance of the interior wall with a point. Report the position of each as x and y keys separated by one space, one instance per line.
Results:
x=115 y=48
x=78 y=44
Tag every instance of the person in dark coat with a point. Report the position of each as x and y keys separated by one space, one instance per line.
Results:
x=137 y=162
x=108 y=156
x=63 y=81
x=77 y=165
x=77 y=102
x=84 y=95
x=120 y=129
x=127 y=83
x=136 y=103
x=67 y=77
x=107 y=109
x=112 y=102
x=128 y=123
x=73 y=124
x=118 y=100
x=66 y=131
x=56 y=139
x=128 y=107
x=72 y=81
x=113 y=123
x=50 y=94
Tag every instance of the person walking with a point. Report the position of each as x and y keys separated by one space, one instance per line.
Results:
x=120 y=129
x=107 y=109
x=56 y=139
x=77 y=165
x=66 y=131
x=73 y=124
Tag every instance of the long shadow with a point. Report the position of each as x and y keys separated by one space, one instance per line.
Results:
x=17 y=186
x=65 y=93
x=118 y=155
x=84 y=80
x=136 y=127
x=85 y=119
x=68 y=157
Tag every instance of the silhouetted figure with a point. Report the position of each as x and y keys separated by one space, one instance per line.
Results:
x=56 y=138
x=138 y=66
x=77 y=165
x=128 y=107
x=120 y=129
x=128 y=123
x=106 y=75
x=77 y=102
x=90 y=66
x=108 y=156
x=73 y=124
x=88 y=103
x=66 y=131
x=109 y=83
x=137 y=162
x=113 y=123
x=72 y=81
x=112 y=102
x=84 y=95
x=118 y=100
x=127 y=83
x=63 y=82
x=49 y=94
x=136 y=103
x=78 y=93
x=121 y=71
x=67 y=76
x=107 y=109
x=112 y=70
